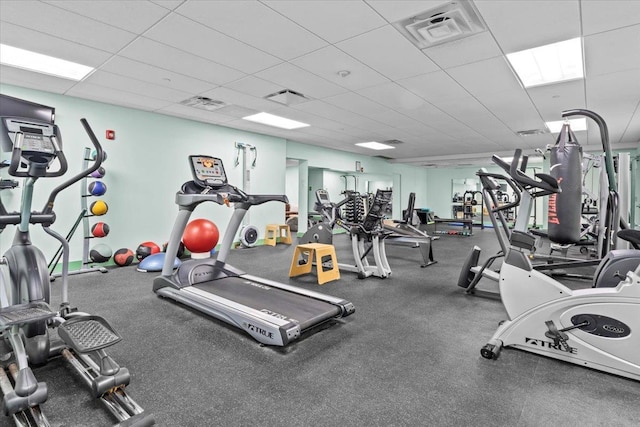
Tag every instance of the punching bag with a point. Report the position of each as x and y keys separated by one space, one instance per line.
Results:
x=565 y=207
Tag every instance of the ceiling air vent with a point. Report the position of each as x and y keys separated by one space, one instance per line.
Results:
x=393 y=142
x=532 y=132
x=287 y=97
x=445 y=23
x=203 y=103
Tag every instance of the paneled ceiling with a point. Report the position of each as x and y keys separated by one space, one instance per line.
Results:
x=447 y=103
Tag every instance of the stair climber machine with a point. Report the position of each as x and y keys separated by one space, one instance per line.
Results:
x=26 y=316
x=272 y=313
x=366 y=235
x=595 y=327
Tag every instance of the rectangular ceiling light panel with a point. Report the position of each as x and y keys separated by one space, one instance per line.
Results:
x=32 y=61
x=374 y=145
x=277 y=121
x=575 y=124
x=548 y=64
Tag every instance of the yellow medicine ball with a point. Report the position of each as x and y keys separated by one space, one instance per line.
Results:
x=99 y=207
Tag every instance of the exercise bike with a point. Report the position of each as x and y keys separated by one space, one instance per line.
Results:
x=589 y=327
x=26 y=315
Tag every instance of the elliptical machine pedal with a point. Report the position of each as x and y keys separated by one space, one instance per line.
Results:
x=24 y=314
x=88 y=333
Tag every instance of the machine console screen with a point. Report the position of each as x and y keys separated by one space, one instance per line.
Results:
x=323 y=197
x=208 y=171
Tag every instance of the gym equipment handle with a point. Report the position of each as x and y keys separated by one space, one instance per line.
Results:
x=48 y=207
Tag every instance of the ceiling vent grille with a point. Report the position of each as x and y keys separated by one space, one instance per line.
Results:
x=204 y=103
x=445 y=23
x=531 y=132
x=287 y=97
x=393 y=142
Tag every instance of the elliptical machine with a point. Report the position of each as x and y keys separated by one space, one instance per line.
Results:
x=366 y=235
x=589 y=327
x=25 y=312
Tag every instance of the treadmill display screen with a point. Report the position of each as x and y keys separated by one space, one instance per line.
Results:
x=208 y=170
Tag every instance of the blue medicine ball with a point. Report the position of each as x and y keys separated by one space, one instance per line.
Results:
x=97 y=188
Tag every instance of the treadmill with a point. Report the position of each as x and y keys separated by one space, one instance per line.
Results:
x=273 y=313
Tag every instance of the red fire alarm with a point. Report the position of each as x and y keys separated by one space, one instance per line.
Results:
x=111 y=134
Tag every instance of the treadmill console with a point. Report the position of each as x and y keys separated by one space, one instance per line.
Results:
x=207 y=171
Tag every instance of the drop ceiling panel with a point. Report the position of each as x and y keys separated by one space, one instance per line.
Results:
x=388 y=52
x=434 y=87
x=514 y=109
x=178 y=61
x=295 y=78
x=622 y=88
x=605 y=15
x=326 y=63
x=127 y=84
x=615 y=97
x=519 y=25
x=551 y=100
x=183 y=111
x=134 y=16
x=394 y=96
x=464 y=51
x=159 y=76
x=395 y=10
x=314 y=120
x=168 y=4
x=632 y=133
x=197 y=39
x=332 y=20
x=254 y=24
x=488 y=76
x=24 y=78
x=116 y=97
x=63 y=24
x=25 y=38
x=234 y=97
x=615 y=50
x=355 y=103
x=254 y=86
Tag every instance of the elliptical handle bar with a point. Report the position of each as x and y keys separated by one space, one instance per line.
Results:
x=604 y=137
x=48 y=207
x=545 y=182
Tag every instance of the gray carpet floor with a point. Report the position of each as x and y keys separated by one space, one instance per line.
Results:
x=409 y=356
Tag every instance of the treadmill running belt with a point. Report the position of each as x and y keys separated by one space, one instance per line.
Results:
x=306 y=311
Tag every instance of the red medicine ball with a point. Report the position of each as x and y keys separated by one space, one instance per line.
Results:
x=123 y=257
x=145 y=249
x=99 y=229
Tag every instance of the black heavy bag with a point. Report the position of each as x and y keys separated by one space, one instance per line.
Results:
x=565 y=207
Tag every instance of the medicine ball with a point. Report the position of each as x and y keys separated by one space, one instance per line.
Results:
x=145 y=249
x=99 y=207
x=100 y=253
x=97 y=188
x=98 y=173
x=94 y=154
x=123 y=257
x=99 y=229
x=180 y=248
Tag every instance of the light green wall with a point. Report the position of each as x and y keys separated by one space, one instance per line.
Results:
x=146 y=165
